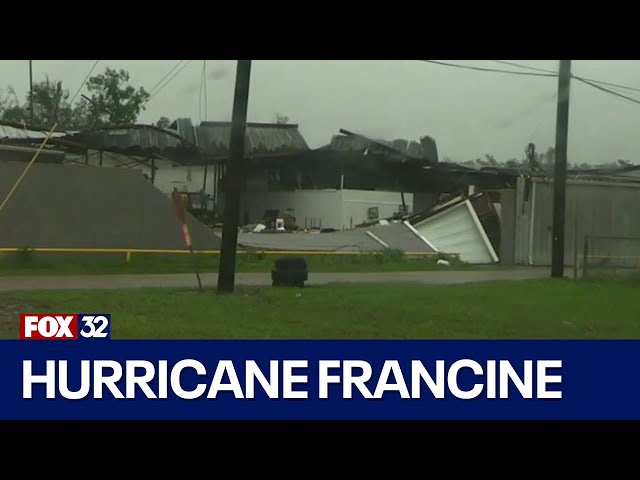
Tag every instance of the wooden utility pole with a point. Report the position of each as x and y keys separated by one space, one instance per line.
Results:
x=31 y=90
x=560 y=171
x=233 y=179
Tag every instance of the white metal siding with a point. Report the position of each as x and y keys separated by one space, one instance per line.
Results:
x=320 y=208
x=455 y=231
x=600 y=208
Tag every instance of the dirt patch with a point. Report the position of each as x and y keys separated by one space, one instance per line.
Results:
x=10 y=311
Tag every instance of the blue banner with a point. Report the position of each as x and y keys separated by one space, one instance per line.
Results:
x=316 y=380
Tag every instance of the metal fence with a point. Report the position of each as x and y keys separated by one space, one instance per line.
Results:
x=610 y=256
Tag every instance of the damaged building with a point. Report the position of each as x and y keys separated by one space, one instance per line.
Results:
x=363 y=194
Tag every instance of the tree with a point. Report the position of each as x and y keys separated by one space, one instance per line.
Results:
x=51 y=105
x=547 y=159
x=112 y=101
x=515 y=163
x=10 y=108
x=620 y=163
x=164 y=122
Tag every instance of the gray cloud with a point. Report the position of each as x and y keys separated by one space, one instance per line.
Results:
x=468 y=113
x=217 y=73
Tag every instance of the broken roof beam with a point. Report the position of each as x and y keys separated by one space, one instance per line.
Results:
x=406 y=158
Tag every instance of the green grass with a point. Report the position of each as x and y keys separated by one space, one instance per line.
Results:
x=30 y=263
x=501 y=310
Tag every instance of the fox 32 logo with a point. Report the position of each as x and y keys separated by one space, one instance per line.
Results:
x=65 y=326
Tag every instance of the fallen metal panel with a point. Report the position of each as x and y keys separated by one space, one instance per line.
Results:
x=351 y=240
x=398 y=236
x=458 y=230
x=8 y=132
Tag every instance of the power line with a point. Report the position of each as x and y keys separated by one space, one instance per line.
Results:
x=519 y=65
x=542 y=73
x=170 y=79
x=165 y=76
x=84 y=81
x=609 y=84
x=615 y=85
x=493 y=70
x=599 y=87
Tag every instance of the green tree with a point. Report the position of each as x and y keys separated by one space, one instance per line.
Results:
x=51 y=105
x=112 y=101
x=10 y=108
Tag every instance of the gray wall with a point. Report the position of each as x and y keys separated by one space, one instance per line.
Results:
x=592 y=208
x=508 y=224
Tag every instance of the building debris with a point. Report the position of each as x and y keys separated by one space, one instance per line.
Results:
x=394 y=236
x=465 y=226
x=456 y=226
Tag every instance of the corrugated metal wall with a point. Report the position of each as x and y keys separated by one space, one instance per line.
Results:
x=525 y=191
x=593 y=208
x=508 y=224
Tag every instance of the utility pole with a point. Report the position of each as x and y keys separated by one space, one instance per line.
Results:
x=560 y=170
x=233 y=179
x=31 y=90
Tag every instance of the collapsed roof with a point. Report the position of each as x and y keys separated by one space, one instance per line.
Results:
x=424 y=152
x=262 y=139
x=396 y=236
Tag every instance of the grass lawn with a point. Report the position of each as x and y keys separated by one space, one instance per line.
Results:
x=34 y=263
x=502 y=310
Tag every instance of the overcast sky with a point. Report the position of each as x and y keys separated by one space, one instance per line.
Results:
x=468 y=113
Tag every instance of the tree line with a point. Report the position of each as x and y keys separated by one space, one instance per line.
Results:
x=111 y=101
x=541 y=161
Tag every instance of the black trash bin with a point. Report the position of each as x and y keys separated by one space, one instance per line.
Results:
x=289 y=272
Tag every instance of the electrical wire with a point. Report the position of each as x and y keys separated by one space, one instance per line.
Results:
x=84 y=81
x=519 y=65
x=493 y=70
x=539 y=72
x=614 y=85
x=165 y=76
x=606 y=90
x=609 y=84
x=171 y=78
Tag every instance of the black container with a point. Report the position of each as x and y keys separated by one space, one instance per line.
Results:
x=289 y=272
